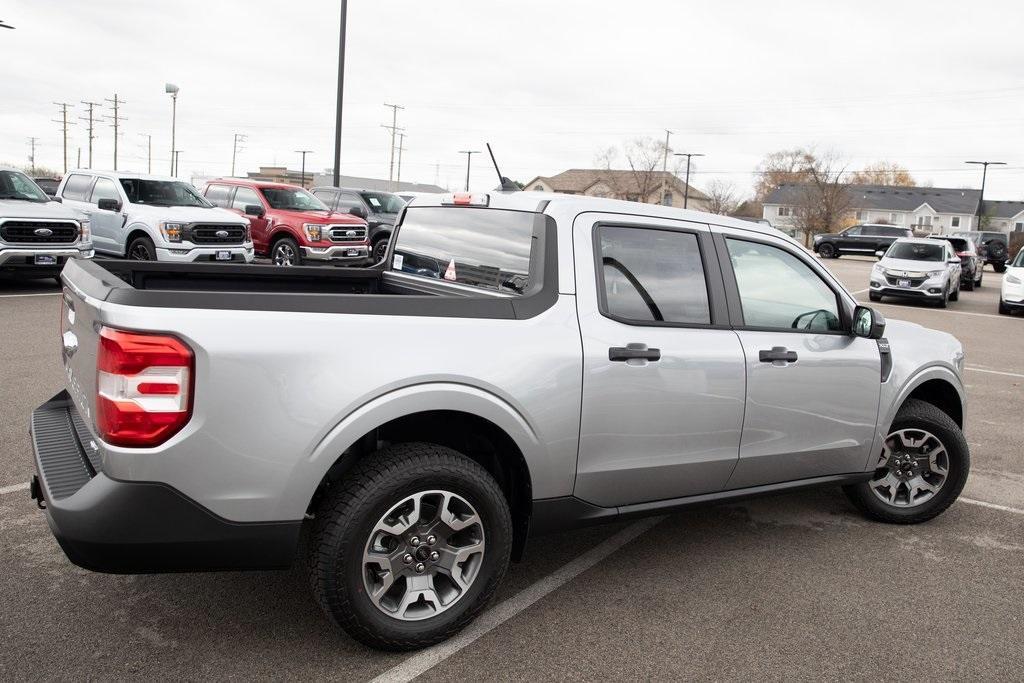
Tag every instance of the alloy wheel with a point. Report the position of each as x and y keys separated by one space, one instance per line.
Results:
x=912 y=468
x=140 y=252
x=284 y=255
x=380 y=249
x=423 y=555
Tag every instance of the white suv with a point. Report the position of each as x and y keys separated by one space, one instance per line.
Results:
x=150 y=218
x=1011 y=295
x=917 y=269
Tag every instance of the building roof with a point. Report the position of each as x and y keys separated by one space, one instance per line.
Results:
x=576 y=180
x=382 y=185
x=891 y=197
x=1002 y=209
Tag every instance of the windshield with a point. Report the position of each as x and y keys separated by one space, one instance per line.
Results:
x=383 y=202
x=486 y=248
x=162 y=193
x=17 y=185
x=292 y=199
x=916 y=251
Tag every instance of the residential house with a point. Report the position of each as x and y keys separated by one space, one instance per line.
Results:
x=628 y=185
x=924 y=209
x=1003 y=216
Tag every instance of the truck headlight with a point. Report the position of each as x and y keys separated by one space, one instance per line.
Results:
x=84 y=232
x=172 y=232
x=313 y=231
x=1013 y=279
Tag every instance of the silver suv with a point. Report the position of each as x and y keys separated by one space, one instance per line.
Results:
x=535 y=362
x=152 y=218
x=917 y=268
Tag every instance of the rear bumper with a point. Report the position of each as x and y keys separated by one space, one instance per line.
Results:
x=125 y=527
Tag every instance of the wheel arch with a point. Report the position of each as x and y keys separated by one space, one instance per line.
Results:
x=280 y=232
x=937 y=385
x=137 y=230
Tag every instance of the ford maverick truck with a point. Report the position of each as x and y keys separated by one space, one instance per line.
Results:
x=531 y=362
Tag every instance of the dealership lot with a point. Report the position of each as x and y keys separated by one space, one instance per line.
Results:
x=793 y=586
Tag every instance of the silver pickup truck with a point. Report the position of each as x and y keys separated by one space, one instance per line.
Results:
x=530 y=362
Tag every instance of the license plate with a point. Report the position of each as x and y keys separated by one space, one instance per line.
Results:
x=45 y=260
x=903 y=283
x=352 y=252
x=223 y=256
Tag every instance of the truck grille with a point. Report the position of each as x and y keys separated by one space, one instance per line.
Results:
x=347 y=233
x=218 y=234
x=38 y=232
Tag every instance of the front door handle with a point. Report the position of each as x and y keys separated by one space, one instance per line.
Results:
x=633 y=352
x=776 y=353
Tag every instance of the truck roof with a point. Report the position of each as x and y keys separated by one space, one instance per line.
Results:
x=123 y=175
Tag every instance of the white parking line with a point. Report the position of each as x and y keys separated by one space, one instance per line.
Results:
x=995 y=372
x=424 y=660
x=12 y=488
x=935 y=310
x=1004 y=508
x=859 y=291
x=15 y=296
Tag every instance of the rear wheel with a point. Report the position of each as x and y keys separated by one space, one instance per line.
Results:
x=944 y=301
x=828 y=251
x=285 y=252
x=410 y=547
x=970 y=284
x=921 y=470
x=999 y=266
x=141 y=249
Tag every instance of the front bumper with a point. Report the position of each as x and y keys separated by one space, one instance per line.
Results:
x=187 y=254
x=345 y=253
x=22 y=259
x=129 y=527
x=928 y=290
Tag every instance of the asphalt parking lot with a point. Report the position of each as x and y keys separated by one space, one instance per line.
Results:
x=791 y=587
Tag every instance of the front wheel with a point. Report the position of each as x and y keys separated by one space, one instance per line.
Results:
x=828 y=251
x=921 y=470
x=285 y=252
x=1003 y=308
x=955 y=295
x=410 y=546
x=380 y=249
x=142 y=249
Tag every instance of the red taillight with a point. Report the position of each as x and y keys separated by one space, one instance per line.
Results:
x=962 y=254
x=143 y=386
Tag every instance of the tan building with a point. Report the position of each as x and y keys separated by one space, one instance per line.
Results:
x=634 y=187
x=281 y=174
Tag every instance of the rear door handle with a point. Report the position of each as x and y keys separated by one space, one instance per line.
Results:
x=776 y=353
x=633 y=352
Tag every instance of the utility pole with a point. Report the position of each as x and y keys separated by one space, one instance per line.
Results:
x=469 y=157
x=303 y=152
x=401 y=148
x=239 y=138
x=172 y=90
x=149 y=152
x=64 y=128
x=394 y=130
x=78 y=164
x=92 y=122
x=341 y=93
x=686 y=188
x=32 y=154
x=115 y=119
x=664 y=167
x=175 y=160
x=984 y=172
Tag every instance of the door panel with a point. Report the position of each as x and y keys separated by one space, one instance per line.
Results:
x=107 y=226
x=653 y=429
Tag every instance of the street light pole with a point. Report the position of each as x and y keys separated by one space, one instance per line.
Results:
x=686 y=188
x=984 y=172
x=469 y=157
x=172 y=90
x=176 y=160
x=341 y=93
x=303 y=152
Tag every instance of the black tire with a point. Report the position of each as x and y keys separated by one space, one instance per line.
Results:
x=874 y=297
x=917 y=414
x=944 y=301
x=347 y=514
x=379 y=249
x=999 y=266
x=997 y=251
x=955 y=294
x=285 y=253
x=828 y=251
x=141 y=249
x=970 y=284
x=981 y=276
x=1003 y=308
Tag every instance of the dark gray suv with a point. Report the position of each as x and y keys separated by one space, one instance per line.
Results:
x=381 y=209
x=865 y=240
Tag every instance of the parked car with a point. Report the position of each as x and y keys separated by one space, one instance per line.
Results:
x=37 y=235
x=630 y=371
x=153 y=218
x=48 y=185
x=291 y=226
x=971 y=265
x=917 y=268
x=864 y=240
x=992 y=246
x=382 y=209
x=1011 y=294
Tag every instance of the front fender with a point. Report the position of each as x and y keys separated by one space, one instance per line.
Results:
x=397 y=403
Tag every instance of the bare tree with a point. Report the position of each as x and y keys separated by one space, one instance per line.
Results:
x=722 y=197
x=645 y=157
x=605 y=158
x=824 y=202
x=882 y=173
x=778 y=168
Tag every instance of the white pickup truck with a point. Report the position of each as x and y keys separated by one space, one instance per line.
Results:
x=526 y=362
x=37 y=235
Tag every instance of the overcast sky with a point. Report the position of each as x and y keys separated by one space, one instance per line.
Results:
x=924 y=84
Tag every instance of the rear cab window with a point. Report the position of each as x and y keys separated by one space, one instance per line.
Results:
x=488 y=249
x=219 y=195
x=77 y=187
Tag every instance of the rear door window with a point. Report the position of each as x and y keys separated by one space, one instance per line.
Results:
x=219 y=195
x=77 y=187
x=245 y=196
x=105 y=188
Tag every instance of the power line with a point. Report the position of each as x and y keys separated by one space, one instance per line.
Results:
x=92 y=122
x=115 y=120
x=64 y=128
x=394 y=129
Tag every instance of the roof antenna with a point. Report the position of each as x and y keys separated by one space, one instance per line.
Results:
x=506 y=184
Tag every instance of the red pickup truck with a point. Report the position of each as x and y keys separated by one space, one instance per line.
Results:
x=290 y=225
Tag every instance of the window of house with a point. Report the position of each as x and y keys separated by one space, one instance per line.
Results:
x=860 y=215
x=779 y=291
x=538 y=188
x=667 y=199
x=954 y=222
x=651 y=275
x=924 y=220
x=1018 y=227
x=895 y=217
x=785 y=211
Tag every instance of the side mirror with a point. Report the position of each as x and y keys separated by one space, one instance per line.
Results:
x=59 y=200
x=255 y=210
x=879 y=254
x=107 y=204
x=868 y=323
x=358 y=211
